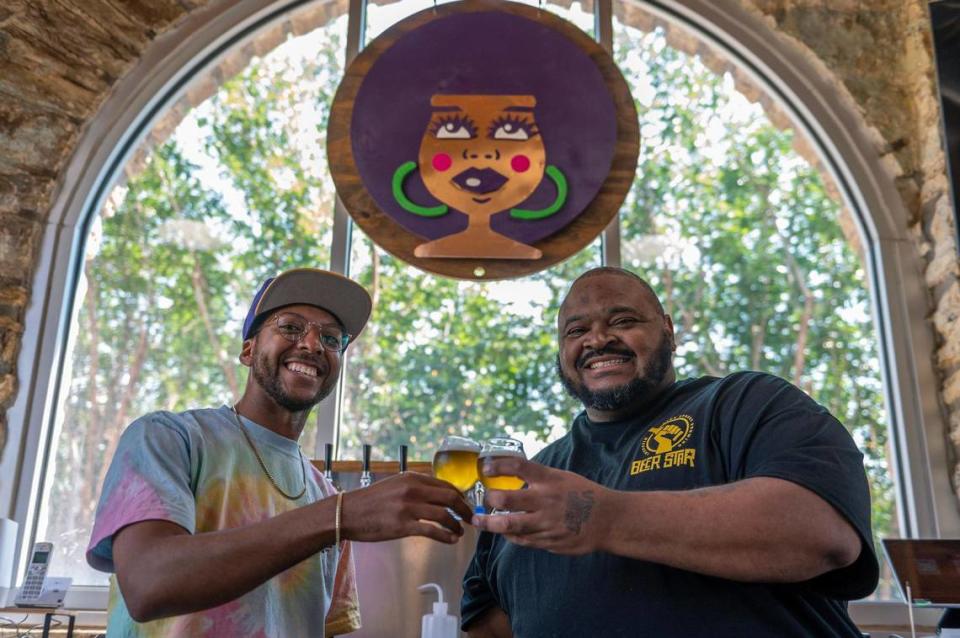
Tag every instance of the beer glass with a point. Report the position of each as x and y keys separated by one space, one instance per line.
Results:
x=499 y=447
x=456 y=462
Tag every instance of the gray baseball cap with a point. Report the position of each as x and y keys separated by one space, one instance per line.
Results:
x=342 y=297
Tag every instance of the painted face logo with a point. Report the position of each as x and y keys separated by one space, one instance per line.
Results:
x=483 y=140
x=481 y=154
x=663 y=446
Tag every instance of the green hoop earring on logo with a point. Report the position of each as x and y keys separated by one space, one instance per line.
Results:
x=560 y=181
x=396 y=183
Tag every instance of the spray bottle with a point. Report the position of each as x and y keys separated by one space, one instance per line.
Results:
x=439 y=624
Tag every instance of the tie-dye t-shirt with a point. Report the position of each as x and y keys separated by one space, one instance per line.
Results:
x=197 y=470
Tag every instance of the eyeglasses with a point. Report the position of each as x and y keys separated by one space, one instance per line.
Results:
x=294 y=329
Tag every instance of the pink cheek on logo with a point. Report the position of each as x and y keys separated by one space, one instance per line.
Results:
x=442 y=162
x=520 y=163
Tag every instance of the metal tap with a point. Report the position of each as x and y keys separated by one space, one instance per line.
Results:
x=403 y=458
x=328 y=463
x=365 y=477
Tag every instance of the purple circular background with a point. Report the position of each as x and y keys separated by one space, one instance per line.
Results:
x=488 y=52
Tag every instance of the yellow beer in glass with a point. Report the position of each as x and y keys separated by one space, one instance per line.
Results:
x=456 y=462
x=500 y=447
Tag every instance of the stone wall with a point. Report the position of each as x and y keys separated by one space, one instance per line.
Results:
x=58 y=62
x=60 y=58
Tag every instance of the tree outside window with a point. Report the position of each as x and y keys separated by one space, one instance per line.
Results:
x=737 y=232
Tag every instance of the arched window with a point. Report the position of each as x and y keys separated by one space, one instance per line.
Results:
x=762 y=253
x=749 y=242
x=237 y=192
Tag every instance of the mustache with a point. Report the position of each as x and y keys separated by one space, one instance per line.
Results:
x=589 y=355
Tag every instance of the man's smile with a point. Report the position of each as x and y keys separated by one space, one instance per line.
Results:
x=304 y=368
x=605 y=363
x=310 y=371
x=603 y=358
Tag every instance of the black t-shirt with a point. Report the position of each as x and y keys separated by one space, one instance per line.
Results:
x=700 y=432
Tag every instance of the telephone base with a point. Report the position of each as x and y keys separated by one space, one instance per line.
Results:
x=51 y=596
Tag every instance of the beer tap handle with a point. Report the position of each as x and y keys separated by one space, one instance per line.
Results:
x=365 y=478
x=328 y=460
x=403 y=458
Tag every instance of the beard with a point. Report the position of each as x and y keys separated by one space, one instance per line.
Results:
x=629 y=393
x=269 y=380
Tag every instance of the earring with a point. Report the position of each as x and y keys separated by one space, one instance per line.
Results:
x=401 y=198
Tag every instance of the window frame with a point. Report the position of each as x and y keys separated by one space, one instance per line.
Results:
x=927 y=505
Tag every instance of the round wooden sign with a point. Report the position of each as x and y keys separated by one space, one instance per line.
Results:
x=483 y=139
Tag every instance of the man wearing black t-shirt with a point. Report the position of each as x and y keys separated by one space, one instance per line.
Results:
x=733 y=507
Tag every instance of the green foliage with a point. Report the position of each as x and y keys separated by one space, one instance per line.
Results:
x=239 y=193
x=756 y=273
x=752 y=265
x=442 y=356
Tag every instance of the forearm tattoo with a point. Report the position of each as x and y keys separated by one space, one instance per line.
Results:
x=578 y=510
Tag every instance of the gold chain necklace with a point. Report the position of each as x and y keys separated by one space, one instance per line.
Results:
x=263 y=465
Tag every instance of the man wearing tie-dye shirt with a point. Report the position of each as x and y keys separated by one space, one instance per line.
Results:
x=211 y=519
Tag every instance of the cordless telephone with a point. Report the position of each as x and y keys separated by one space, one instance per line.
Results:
x=38 y=590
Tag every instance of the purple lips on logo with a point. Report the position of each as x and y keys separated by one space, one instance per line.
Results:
x=480 y=181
